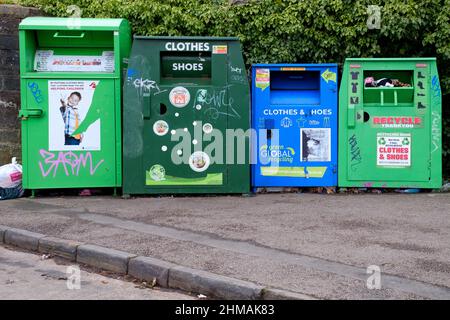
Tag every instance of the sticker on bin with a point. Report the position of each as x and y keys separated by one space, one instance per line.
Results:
x=394 y=149
x=328 y=75
x=179 y=97
x=46 y=60
x=262 y=78
x=293 y=69
x=296 y=172
x=220 y=49
x=397 y=122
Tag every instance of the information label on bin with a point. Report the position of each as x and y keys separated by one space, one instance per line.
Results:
x=394 y=149
x=220 y=49
x=45 y=60
x=262 y=78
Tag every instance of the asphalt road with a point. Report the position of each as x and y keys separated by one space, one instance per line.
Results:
x=26 y=276
x=319 y=245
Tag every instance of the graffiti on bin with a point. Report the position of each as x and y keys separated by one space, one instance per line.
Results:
x=436 y=87
x=135 y=78
x=435 y=116
x=68 y=162
x=435 y=130
x=36 y=92
x=147 y=86
x=215 y=103
x=355 y=152
x=236 y=75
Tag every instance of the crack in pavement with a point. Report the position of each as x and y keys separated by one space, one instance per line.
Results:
x=419 y=288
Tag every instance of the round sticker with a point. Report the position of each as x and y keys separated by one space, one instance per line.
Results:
x=199 y=161
x=179 y=97
x=160 y=127
x=207 y=128
x=157 y=172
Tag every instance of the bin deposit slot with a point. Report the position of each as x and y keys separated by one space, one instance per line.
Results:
x=187 y=65
x=295 y=87
x=68 y=34
x=74 y=39
x=389 y=87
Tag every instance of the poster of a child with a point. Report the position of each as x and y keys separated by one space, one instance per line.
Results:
x=71 y=118
x=69 y=104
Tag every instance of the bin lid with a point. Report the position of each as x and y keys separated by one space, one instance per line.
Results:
x=275 y=65
x=390 y=59
x=50 y=23
x=194 y=38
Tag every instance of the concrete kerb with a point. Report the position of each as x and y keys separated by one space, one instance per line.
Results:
x=104 y=258
x=165 y=273
x=149 y=269
x=66 y=249
x=2 y=233
x=23 y=239
x=214 y=285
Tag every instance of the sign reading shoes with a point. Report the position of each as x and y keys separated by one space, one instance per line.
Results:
x=179 y=66
x=187 y=46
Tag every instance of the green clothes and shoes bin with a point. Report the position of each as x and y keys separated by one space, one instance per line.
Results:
x=186 y=117
x=71 y=81
x=390 y=123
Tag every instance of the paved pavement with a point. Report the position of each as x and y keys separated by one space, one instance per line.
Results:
x=320 y=245
x=25 y=276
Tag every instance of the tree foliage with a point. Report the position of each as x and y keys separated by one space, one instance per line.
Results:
x=274 y=31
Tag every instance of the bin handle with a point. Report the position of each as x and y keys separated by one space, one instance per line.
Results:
x=57 y=35
x=28 y=113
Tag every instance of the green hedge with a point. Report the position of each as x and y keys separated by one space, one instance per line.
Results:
x=294 y=30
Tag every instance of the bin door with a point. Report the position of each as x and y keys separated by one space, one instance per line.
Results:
x=179 y=126
x=84 y=159
x=389 y=128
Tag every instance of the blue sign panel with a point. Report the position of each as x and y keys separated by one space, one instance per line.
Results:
x=294 y=113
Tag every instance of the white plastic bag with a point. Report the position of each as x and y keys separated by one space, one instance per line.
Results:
x=11 y=175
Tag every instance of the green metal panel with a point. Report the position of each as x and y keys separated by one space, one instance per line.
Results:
x=50 y=23
x=390 y=136
x=176 y=91
x=61 y=60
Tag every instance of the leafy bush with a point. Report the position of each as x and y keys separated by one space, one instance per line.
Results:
x=274 y=31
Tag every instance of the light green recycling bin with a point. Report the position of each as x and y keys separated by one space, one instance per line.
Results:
x=71 y=74
x=390 y=123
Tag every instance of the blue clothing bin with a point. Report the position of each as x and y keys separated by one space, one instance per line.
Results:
x=294 y=114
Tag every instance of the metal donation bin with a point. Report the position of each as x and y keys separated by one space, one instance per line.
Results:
x=186 y=117
x=294 y=111
x=71 y=71
x=390 y=123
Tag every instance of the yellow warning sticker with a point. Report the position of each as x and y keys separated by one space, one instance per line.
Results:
x=293 y=69
x=328 y=75
x=220 y=49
